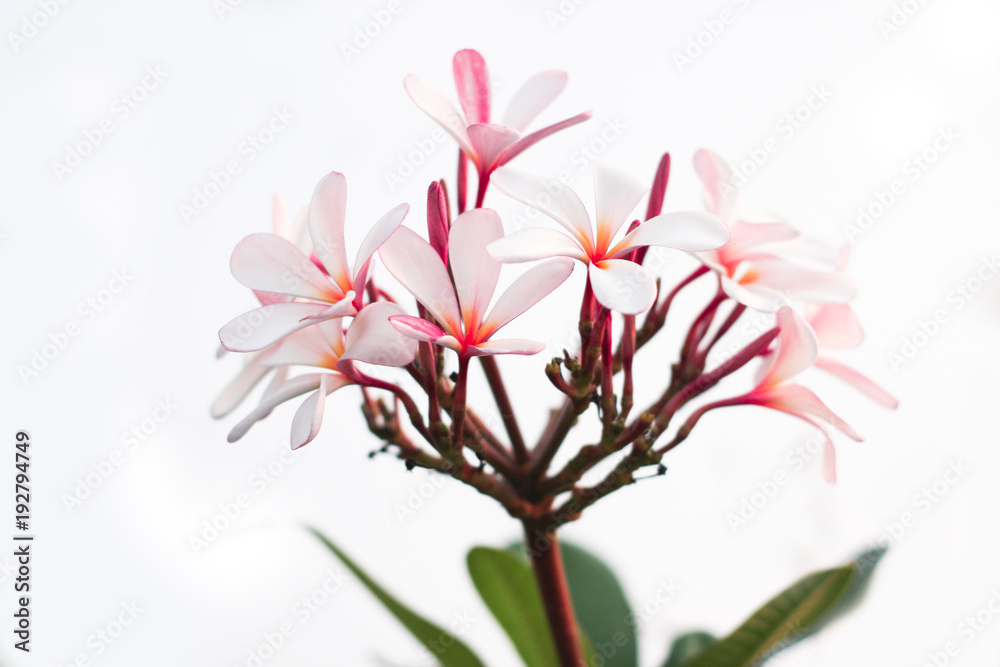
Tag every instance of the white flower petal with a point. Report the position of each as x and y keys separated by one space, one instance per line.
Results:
x=530 y=288
x=237 y=390
x=506 y=346
x=377 y=235
x=475 y=272
x=417 y=266
x=553 y=198
x=533 y=243
x=489 y=142
x=437 y=106
x=623 y=286
x=797 y=349
x=716 y=176
x=371 y=338
x=617 y=193
x=693 y=231
x=269 y=263
x=295 y=387
x=532 y=98
x=327 y=212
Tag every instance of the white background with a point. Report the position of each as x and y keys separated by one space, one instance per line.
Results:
x=226 y=73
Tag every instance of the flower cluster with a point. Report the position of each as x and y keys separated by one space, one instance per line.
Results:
x=324 y=324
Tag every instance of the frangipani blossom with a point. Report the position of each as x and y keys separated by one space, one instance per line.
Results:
x=464 y=321
x=798 y=349
x=764 y=264
x=618 y=283
x=490 y=145
x=837 y=327
x=324 y=346
x=321 y=291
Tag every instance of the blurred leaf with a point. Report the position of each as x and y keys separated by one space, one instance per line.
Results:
x=602 y=611
x=791 y=616
x=507 y=585
x=687 y=646
x=448 y=650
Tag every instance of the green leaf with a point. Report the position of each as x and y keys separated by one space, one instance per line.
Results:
x=602 y=610
x=508 y=587
x=687 y=646
x=791 y=616
x=448 y=650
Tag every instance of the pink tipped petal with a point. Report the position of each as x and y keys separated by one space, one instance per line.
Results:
x=376 y=236
x=693 y=231
x=533 y=97
x=617 y=193
x=533 y=243
x=327 y=212
x=797 y=349
x=837 y=326
x=475 y=272
x=258 y=328
x=506 y=346
x=280 y=217
x=289 y=390
x=803 y=284
x=829 y=461
x=623 y=286
x=417 y=328
x=437 y=219
x=473 y=84
x=371 y=338
x=437 y=106
x=307 y=347
x=716 y=176
x=489 y=142
x=753 y=295
x=239 y=387
x=343 y=308
x=858 y=381
x=309 y=417
x=746 y=235
x=415 y=264
x=530 y=288
x=564 y=206
x=269 y=263
x=530 y=140
x=803 y=403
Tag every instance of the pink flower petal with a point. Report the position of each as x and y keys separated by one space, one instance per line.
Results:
x=259 y=328
x=475 y=272
x=525 y=292
x=309 y=417
x=415 y=264
x=489 y=142
x=473 y=84
x=371 y=338
x=747 y=235
x=623 y=286
x=441 y=111
x=239 y=387
x=802 y=284
x=530 y=140
x=269 y=263
x=422 y=330
x=836 y=326
x=797 y=349
x=617 y=193
x=532 y=98
x=858 y=381
x=506 y=346
x=716 y=176
x=533 y=243
x=552 y=198
x=306 y=347
x=292 y=388
x=327 y=211
x=437 y=219
x=796 y=400
x=692 y=231
x=376 y=236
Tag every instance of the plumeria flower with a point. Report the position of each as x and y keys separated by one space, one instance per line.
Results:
x=490 y=145
x=797 y=350
x=321 y=290
x=837 y=328
x=326 y=347
x=618 y=283
x=765 y=264
x=463 y=319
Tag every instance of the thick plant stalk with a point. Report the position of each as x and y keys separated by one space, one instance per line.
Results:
x=547 y=563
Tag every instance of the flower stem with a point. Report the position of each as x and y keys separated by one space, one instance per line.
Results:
x=546 y=560
x=499 y=390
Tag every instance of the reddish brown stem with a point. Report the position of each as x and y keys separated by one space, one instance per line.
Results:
x=546 y=560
